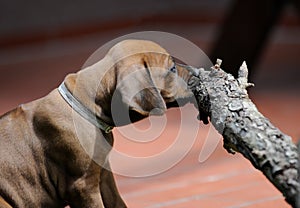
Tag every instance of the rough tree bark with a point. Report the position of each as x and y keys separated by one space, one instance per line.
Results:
x=225 y=101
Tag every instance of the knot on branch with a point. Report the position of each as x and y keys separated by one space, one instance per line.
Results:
x=218 y=64
x=243 y=76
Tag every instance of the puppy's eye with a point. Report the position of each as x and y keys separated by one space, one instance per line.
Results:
x=173 y=69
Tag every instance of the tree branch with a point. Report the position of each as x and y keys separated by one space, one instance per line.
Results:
x=225 y=101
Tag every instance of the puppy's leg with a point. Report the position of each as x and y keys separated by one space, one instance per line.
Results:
x=86 y=199
x=110 y=195
x=85 y=193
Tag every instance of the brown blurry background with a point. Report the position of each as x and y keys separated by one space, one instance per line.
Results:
x=42 y=41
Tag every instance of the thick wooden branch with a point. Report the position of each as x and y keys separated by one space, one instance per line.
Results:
x=225 y=101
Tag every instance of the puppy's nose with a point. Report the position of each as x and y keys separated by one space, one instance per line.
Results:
x=157 y=112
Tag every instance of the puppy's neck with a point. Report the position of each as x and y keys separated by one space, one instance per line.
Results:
x=93 y=87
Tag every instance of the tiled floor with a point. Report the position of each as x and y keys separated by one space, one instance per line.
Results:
x=223 y=180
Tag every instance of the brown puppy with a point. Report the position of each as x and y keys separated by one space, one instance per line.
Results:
x=45 y=146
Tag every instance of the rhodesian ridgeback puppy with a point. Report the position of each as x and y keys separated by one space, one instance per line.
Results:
x=44 y=163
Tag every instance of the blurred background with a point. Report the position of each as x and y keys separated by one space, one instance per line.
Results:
x=42 y=41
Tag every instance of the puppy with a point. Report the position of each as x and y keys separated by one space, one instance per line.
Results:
x=53 y=151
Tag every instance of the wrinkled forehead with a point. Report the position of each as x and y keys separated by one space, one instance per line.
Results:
x=137 y=48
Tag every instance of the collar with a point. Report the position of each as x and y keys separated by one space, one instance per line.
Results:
x=82 y=110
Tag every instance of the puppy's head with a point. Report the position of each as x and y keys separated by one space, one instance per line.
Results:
x=148 y=79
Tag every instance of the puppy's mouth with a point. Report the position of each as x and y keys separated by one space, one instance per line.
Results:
x=138 y=114
x=154 y=111
x=135 y=115
x=173 y=104
x=179 y=102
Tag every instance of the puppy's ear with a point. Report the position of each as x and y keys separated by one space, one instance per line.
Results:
x=139 y=92
x=148 y=102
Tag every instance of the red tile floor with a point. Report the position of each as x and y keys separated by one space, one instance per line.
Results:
x=223 y=180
